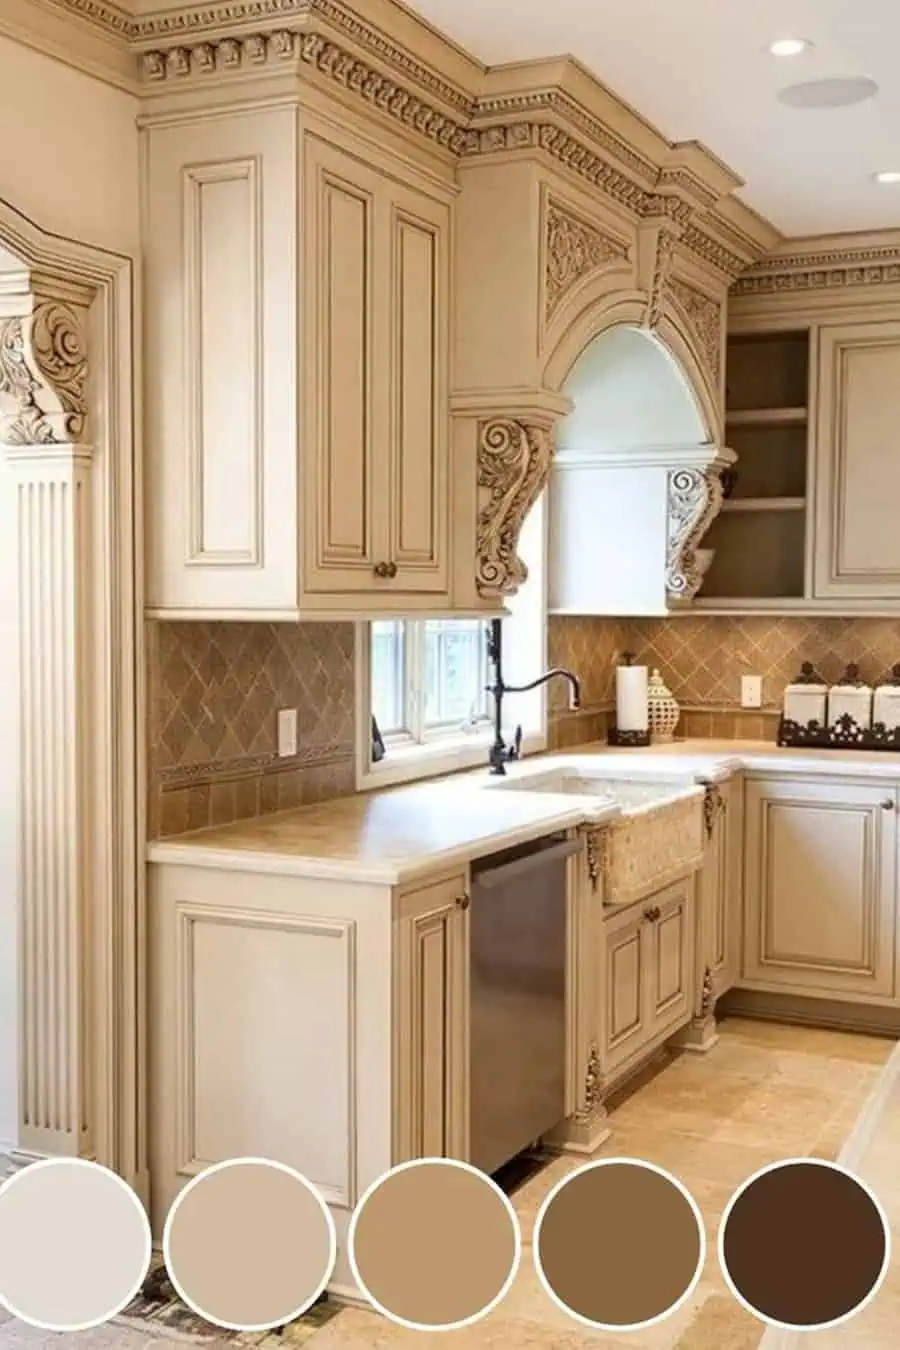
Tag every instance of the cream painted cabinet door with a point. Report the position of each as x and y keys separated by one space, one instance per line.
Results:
x=375 y=415
x=820 y=889
x=431 y=1017
x=669 y=960
x=625 y=1010
x=220 y=375
x=857 y=551
x=417 y=441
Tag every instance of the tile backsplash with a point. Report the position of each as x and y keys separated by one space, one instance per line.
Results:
x=702 y=660
x=213 y=694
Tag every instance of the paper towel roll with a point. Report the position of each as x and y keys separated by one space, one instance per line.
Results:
x=631 y=698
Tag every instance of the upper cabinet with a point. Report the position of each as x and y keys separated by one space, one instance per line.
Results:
x=297 y=372
x=812 y=410
x=857 y=551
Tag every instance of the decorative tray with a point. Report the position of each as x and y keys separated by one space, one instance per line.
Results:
x=846 y=734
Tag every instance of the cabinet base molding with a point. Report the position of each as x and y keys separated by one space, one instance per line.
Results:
x=814 y=1012
x=698 y=1037
x=580 y=1134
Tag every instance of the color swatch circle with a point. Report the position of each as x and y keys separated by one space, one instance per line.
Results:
x=249 y=1244
x=804 y=1244
x=75 y=1244
x=619 y=1244
x=434 y=1244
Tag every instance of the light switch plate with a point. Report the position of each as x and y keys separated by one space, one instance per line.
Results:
x=287 y=732
x=751 y=691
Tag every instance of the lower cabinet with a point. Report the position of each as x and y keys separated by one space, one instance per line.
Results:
x=431 y=997
x=820 y=889
x=648 y=975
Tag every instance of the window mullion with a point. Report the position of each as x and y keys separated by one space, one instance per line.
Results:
x=415 y=679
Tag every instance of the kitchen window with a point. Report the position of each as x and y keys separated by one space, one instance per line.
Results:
x=421 y=695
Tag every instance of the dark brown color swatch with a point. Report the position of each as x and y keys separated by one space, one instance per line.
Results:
x=434 y=1244
x=619 y=1244
x=803 y=1244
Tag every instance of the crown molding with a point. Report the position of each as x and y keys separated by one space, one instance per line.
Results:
x=825 y=262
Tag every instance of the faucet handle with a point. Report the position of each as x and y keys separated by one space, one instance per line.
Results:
x=516 y=751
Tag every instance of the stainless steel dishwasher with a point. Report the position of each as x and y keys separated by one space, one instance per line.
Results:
x=518 y=936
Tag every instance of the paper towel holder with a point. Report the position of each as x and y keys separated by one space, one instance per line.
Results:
x=633 y=739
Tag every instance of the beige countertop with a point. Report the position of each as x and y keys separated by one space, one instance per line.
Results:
x=398 y=834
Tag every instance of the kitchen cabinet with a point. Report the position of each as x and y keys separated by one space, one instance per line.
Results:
x=857 y=554
x=297 y=372
x=646 y=987
x=431 y=1001
x=820 y=888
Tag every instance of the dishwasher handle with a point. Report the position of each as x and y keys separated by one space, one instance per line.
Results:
x=519 y=867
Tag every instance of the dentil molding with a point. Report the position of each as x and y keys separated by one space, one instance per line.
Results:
x=513 y=467
x=830 y=269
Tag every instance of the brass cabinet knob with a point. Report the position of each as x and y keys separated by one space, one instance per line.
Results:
x=888 y=804
x=463 y=902
x=385 y=570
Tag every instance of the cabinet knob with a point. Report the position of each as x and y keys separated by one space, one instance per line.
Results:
x=463 y=902
x=887 y=804
x=387 y=570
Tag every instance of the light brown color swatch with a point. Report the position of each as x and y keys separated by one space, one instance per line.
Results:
x=619 y=1244
x=434 y=1244
x=75 y=1244
x=249 y=1244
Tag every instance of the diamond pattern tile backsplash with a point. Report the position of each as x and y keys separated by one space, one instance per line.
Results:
x=214 y=691
x=703 y=658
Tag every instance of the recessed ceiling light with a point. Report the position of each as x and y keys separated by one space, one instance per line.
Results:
x=789 y=46
x=887 y=176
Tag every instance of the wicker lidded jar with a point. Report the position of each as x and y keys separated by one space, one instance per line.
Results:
x=663 y=711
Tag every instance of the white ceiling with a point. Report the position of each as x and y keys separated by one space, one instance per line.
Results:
x=699 y=70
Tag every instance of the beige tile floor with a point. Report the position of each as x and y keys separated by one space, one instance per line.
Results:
x=764 y=1092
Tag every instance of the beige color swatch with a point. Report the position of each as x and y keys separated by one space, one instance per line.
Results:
x=619 y=1244
x=249 y=1244
x=75 y=1244
x=435 y=1244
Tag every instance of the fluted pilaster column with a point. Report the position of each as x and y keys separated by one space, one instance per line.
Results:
x=43 y=373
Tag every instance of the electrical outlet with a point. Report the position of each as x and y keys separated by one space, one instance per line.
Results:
x=287 y=732
x=751 y=691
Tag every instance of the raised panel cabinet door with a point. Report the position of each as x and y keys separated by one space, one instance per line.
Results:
x=418 y=433
x=858 y=462
x=220 y=394
x=670 y=959
x=431 y=1021
x=624 y=1007
x=820 y=889
x=345 y=369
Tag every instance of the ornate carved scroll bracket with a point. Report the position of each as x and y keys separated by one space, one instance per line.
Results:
x=592 y=1098
x=656 y=255
x=596 y=854
x=708 y=994
x=43 y=373
x=695 y=498
x=513 y=467
x=713 y=806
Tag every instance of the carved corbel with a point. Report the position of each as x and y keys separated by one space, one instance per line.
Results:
x=43 y=374
x=656 y=254
x=513 y=467
x=695 y=498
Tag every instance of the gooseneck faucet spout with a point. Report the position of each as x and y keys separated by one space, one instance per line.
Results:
x=501 y=754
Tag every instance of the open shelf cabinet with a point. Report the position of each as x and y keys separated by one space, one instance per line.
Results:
x=759 y=538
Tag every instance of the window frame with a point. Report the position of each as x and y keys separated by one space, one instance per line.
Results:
x=439 y=751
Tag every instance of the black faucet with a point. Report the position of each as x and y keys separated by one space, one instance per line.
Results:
x=501 y=754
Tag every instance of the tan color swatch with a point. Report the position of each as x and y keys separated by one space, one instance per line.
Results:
x=75 y=1244
x=619 y=1244
x=249 y=1244
x=435 y=1244
x=804 y=1244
